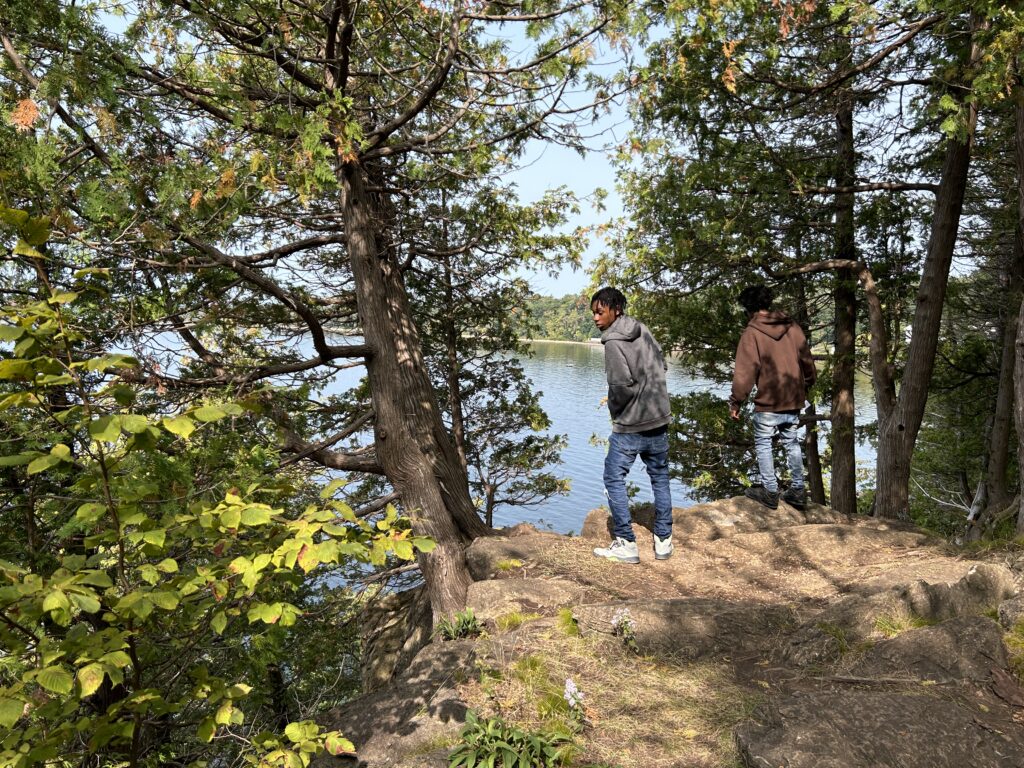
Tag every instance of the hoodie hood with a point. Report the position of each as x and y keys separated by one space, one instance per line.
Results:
x=623 y=329
x=772 y=324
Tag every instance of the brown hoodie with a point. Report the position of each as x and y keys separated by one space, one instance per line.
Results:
x=773 y=355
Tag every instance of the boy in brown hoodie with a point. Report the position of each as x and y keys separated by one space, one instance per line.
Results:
x=773 y=356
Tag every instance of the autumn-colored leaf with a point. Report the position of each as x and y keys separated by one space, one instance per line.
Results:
x=24 y=115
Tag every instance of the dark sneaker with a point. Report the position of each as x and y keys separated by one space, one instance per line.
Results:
x=795 y=497
x=763 y=496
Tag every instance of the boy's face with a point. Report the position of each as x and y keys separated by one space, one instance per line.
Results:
x=603 y=316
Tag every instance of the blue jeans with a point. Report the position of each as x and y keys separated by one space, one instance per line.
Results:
x=623 y=448
x=765 y=425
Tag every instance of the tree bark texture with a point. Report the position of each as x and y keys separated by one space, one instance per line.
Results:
x=897 y=432
x=843 y=493
x=1019 y=247
x=1002 y=417
x=815 y=485
x=411 y=442
x=899 y=424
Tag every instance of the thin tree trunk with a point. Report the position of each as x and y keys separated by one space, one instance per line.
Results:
x=411 y=441
x=815 y=486
x=1002 y=417
x=843 y=495
x=454 y=372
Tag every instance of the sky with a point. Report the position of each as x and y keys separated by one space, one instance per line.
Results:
x=549 y=166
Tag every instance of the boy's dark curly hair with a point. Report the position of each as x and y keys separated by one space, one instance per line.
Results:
x=756 y=297
x=611 y=298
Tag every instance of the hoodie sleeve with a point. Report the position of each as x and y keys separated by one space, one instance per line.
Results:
x=621 y=381
x=745 y=373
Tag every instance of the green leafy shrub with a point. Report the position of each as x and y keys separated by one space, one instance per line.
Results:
x=135 y=605
x=462 y=624
x=493 y=743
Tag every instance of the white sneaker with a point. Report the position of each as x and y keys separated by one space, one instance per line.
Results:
x=663 y=548
x=621 y=550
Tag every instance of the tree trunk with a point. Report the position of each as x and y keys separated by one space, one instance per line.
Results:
x=843 y=495
x=1019 y=248
x=898 y=428
x=451 y=337
x=815 y=485
x=1002 y=417
x=411 y=442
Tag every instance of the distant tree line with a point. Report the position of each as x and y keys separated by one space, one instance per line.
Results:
x=564 y=319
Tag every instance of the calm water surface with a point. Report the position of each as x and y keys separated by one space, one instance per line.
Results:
x=571 y=381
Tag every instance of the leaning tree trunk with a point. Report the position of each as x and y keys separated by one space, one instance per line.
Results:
x=1019 y=248
x=1002 y=416
x=843 y=494
x=900 y=421
x=898 y=427
x=411 y=442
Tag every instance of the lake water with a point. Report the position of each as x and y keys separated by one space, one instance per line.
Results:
x=571 y=380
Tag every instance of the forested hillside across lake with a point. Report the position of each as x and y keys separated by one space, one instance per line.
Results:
x=209 y=500
x=560 y=319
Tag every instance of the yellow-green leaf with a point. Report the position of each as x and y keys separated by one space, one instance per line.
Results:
x=90 y=511
x=336 y=745
x=43 y=463
x=168 y=601
x=230 y=518
x=56 y=601
x=10 y=711
x=134 y=423
x=105 y=429
x=16 y=460
x=403 y=549
x=424 y=543
x=334 y=485
x=255 y=515
x=22 y=248
x=206 y=730
x=182 y=426
x=219 y=622
x=224 y=711
x=10 y=333
x=55 y=679
x=86 y=602
x=209 y=413
x=308 y=559
x=90 y=678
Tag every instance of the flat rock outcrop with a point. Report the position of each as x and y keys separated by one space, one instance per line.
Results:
x=919 y=728
x=863 y=643
x=400 y=726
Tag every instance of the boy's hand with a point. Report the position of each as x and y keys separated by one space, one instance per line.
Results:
x=734 y=412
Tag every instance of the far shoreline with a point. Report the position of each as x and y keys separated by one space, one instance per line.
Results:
x=590 y=342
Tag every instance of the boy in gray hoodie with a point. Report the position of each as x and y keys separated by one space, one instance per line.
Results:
x=639 y=406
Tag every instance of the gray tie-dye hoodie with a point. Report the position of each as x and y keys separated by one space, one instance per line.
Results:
x=635 y=367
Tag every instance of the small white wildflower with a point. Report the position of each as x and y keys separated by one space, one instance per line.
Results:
x=573 y=695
